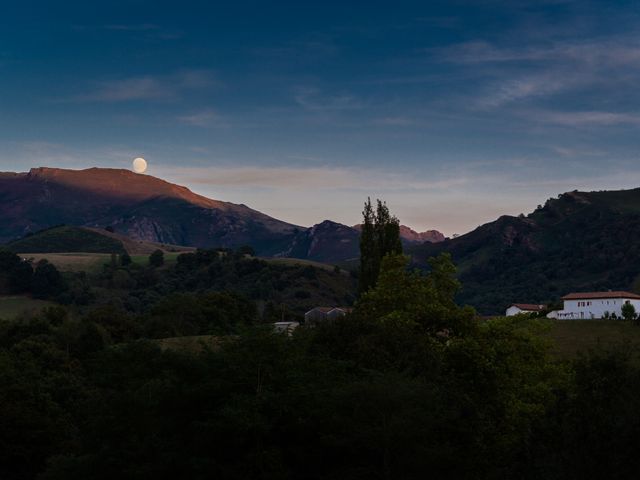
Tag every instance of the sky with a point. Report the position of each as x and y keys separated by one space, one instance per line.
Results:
x=453 y=112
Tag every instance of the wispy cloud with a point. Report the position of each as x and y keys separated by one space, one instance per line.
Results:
x=505 y=74
x=522 y=88
x=136 y=88
x=305 y=178
x=142 y=27
x=311 y=98
x=203 y=118
x=578 y=151
x=605 y=52
x=147 y=87
x=587 y=118
x=143 y=31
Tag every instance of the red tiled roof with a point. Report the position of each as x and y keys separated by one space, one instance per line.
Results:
x=593 y=295
x=321 y=309
x=328 y=309
x=528 y=306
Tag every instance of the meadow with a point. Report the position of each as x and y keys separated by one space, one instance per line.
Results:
x=571 y=337
x=12 y=306
x=89 y=262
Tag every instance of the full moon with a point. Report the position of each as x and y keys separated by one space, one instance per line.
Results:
x=139 y=165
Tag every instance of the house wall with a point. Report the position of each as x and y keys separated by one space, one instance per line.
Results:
x=596 y=308
x=314 y=316
x=513 y=310
x=335 y=313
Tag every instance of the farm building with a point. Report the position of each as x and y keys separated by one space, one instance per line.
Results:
x=517 y=308
x=589 y=305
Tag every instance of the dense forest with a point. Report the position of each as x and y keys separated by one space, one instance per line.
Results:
x=275 y=290
x=408 y=386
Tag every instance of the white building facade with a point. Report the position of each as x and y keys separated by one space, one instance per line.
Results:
x=518 y=308
x=591 y=305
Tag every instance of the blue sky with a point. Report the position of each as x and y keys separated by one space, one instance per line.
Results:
x=453 y=112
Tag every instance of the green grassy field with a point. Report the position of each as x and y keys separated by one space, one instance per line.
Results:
x=572 y=336
x=292 y=262
x=71 y=262
x=12 y=306
x=195 y=343
x=169 y=257
x=89 y=262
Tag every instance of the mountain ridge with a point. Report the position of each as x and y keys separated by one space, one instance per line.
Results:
x=139 y=206
x=146 y=208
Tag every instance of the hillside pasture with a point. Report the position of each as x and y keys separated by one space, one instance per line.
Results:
x=12 y=306
x=193 y=343
x=141 y=247
x=88 y=262
x=71 y=262
x=169 y=257
x=570 y=337
x=65 y=239
x=300 y=262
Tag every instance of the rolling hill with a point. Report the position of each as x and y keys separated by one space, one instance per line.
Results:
x=64 y=239
x=579 y=241
x=70 y=239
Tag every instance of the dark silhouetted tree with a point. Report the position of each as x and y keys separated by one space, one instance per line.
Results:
x=156 y=259
x=46 y=281
x=380 y=236
x=628 y=311
x=125 y=259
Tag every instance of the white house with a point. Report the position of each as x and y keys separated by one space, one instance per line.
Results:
x=517 y=308
x=588 y=305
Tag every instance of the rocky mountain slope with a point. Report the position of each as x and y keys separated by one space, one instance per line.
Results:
x=410 y=236
x=148 y=209
x=325 y=242
x=138 y=206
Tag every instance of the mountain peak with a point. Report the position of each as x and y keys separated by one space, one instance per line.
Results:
x=408 y=235
x=140 y=206
x=120 y=183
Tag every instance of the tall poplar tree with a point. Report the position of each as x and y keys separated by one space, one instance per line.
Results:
x=380 y=236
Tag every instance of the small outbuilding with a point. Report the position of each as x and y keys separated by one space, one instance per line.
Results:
x=518 y=308
x=286 y=327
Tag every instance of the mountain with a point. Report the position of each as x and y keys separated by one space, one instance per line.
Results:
x=579 y=241
x=411 y=237
x=142 y=208
x=139 y=206
x=334 y=242
x=325 y=242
